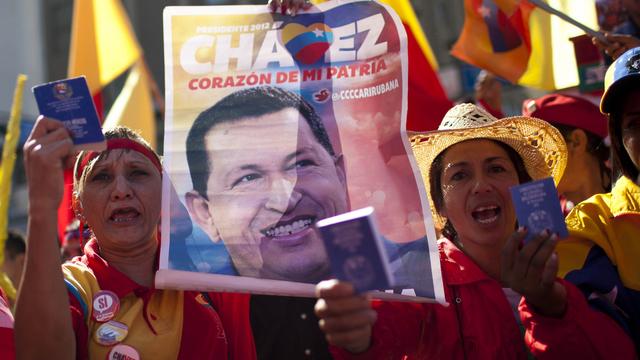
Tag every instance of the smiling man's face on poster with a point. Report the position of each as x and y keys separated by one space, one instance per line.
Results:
x=269 y=180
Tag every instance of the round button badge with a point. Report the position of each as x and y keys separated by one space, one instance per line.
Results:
x=105 y=306
x=111 y=333
x=123 y=352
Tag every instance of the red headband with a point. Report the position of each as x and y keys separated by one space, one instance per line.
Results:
x=121 y=143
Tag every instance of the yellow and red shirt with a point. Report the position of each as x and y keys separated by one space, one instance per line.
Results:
x=161 y=324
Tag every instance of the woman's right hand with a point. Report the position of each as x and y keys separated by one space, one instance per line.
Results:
x=293 y=6
x=47 y=152
x=345 y=317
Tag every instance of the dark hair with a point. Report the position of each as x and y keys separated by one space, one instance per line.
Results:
x=620 y=159
x=15 y=244
x=596 y=147
x=435 y=183
x=251 y=102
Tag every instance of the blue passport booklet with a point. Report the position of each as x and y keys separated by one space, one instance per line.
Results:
x=356 y=250
x=538 y=208
x=70 y=101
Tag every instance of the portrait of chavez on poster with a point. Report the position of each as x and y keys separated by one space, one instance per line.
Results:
x=274 y=122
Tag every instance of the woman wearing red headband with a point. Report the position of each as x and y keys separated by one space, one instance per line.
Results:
x=104 y=305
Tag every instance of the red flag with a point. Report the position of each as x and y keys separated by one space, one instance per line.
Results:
x=427 y=101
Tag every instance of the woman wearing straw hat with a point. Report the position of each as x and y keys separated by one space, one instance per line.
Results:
x=469 y=165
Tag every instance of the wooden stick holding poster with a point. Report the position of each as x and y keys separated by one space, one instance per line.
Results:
x=275 y=122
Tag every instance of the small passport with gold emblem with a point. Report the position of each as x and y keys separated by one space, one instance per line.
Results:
x=356 y=251
x=70 y=101
x=537 y=207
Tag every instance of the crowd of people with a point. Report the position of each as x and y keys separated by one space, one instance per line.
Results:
x=550 y=297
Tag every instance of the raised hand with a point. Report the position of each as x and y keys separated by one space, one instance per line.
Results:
x=617 y=44
x=47 y=152
x=345 y=317
x=292 y=6
x=531 y=271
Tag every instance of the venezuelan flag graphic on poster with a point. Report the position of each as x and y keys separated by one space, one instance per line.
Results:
x=522 y=43
x=427 y=100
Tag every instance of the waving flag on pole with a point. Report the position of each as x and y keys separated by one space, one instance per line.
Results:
x=103 y=47
x=427 y=100
x=522 y=43
x=496 y=37
x=103 y=44
x=134 y=107
x=6 y=174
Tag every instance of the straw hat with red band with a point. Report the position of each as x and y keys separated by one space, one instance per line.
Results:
x=113 y=144
x=539 y=144
x=569 y=110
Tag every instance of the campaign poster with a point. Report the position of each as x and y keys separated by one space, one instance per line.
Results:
x=274 y=122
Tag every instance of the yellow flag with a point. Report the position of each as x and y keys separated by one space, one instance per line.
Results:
x=6 y=173
x=553 y=64
x=103 y=44
x=133 y=107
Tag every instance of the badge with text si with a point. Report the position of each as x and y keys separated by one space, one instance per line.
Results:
x=537 y=207
x=123 y=352
x=70 y=101
x=355 y=250
x=111 y=333
x=105 y=306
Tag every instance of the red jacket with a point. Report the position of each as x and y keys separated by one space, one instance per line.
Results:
x=479 y=323
x=233 y=309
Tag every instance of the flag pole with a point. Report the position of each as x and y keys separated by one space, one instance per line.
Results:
x=155 y=90
x=544 y=6
x=6 y=172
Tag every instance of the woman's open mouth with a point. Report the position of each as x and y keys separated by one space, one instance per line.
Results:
x=124 y=215
x=486 y=215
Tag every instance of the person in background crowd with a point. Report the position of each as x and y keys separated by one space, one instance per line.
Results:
x=14 y=253
x=624 y=36
x=488 y=93
x=632 y=25
x=584 y=130
x=7 y=345
x=601 y=255
x=71 y=244
x=104 y=304
x=485 y=267
x=13 y=265
x=610 y=14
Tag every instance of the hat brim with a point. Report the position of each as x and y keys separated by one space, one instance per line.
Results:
x=613 y=91
x=540 y=145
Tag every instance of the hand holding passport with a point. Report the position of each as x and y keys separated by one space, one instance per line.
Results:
x=537 y=207
x=355 y=250
x=70 y=102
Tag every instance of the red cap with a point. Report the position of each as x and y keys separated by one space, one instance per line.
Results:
x=567 y=110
